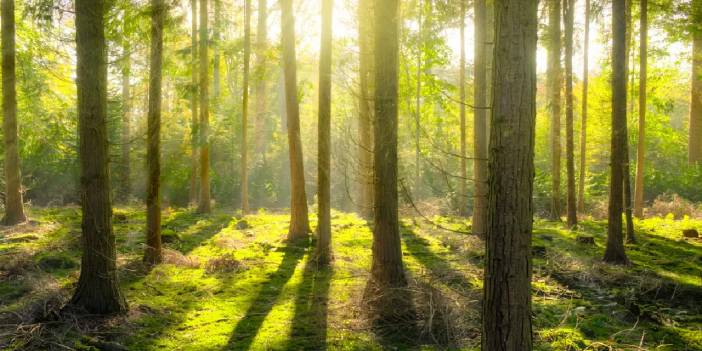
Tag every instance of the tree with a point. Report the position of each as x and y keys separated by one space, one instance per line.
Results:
x=463 y=191
x=14 y=209
x=641 y=146
x=695 y=137
x=572 y=214
x=260 y=76
x=507 y=286
x=614 y=252
x=204 y=124
x=216 y=32
x=126 y=186
x=480 y=120
x=583 y=118
x=245 y=110
x=554 y=79
x=194 y=133
x=365 y=107
x=299 y=223
x=97 y=290
x=323 y=254
x=418 y=92
x=153 y=253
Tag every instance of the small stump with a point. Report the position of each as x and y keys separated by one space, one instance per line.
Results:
x=584 y=239
x=538 y=251
x=691 y=233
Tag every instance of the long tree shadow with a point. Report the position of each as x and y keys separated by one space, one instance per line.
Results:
x=248 y=326
x=309 y=324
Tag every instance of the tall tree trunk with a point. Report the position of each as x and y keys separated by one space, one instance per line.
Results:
x=418 y=93
x=507 y=287
x=641 y=146
x=216 y=33
x=695 y=136
x=153 y=151
x=194 y=132
x=323 y=253
x=572 y=213
x=125 y=188
x=463 y=191
x=204 y=127
x=554 y=79
x=260 y=77
x=14 y=210
x=299 y=222
x=583 y=121
x=480 y=120
x=614 y=253
x=245 y=110
x=365 y=107
x=97 y=290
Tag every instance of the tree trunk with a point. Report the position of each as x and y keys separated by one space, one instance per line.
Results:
x=572 y=213
x=125 y=181
x=418 y=94
x=365 y=107
x=480 y=120
x=260 y=77
x=299 y=223
x=614 y=253
x=583 y=121
x=216 y=32
x=323 y=253
x=153 y=151
x=463 y=190
x=554 y=79
x=194 y=133
x=14 y=209
x=507 y=287
x=97 y=290
x=695 y=136
x=641 y=146
x=204 y=127
x=245 y=111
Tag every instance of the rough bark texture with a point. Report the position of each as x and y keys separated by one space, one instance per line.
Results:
x=97 y=290
x=245 y=111
x=194 y=133
x=583 y=120
x=572 y=214
x=365 y=108
x=507 y=287
x=641 y=146
x=153 y=254
x=480 y=121
x=554 y=79
x=260 y=78
x=614 y=253
x=695 y=136
x=299 y=223
x=125 y=188
x=14 y=210
x=323 y=253
x=204 y=125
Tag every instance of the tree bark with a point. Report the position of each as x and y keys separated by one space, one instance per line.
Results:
x=245 y=111
x=365 y=107
x=507 y=287
x=571 y=202
x=554 y=92
x=97 y=290
x=204 y=127
x=418 y=94
x=695 y=133
x=125 y=181
x=583 y=121
x=153 y=253
x=260 y=77
x=216 y=33
x=299 y=222
x=463 y=189
x=614 y=252
x=323 y=253
x=14 y=209
x=480 y=120
x=641 y=146
x=194 y=132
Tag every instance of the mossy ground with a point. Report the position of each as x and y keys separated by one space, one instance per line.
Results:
x=224 y=288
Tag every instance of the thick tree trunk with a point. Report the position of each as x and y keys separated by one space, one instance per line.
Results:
x=507 y=287
x=153 y=151
x=480 y=120
x=204 y=127
x=695 y=136
x=323 y=253
x=583 y=121
x=260 y=78
x=194 y=132
x=572 y=213
x=97 y=290
x=245 y=111
x=14 y=209
x=641 y=146
x=463 y=189
x=554 y=79
x=365 y=108
x=299 y=222
x=614 y=253
x=125 y=188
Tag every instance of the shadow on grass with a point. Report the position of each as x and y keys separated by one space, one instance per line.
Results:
x=188 y=242
x=309 y=324
x=248 y=326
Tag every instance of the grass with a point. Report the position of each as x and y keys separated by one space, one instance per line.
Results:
x=225 y=288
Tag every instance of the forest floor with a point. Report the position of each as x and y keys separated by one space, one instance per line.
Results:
x=232 y=283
